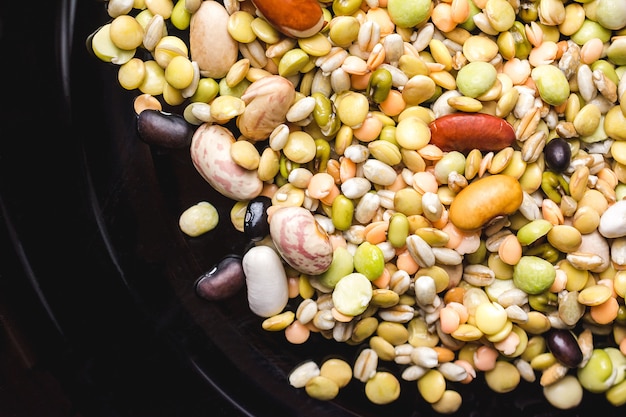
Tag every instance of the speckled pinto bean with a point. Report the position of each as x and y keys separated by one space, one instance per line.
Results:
x=210 y=154
x=466 y=131
x=484 y=199
x=300 y=240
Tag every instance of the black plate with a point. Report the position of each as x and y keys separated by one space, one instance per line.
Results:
x=97 y=228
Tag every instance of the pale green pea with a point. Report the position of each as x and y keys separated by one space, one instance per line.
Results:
x=616 y=395
x=408 y=13
x=476 y=78
x=620 y=191
x=479 y=255
x=342 y=212
x=352 y=294
x=614 y=124
x=264 y=31
x=323 y=110
x=616 y=52
x=179 y=72
x=453 y=161
x=500 y=14
x=345 y=7
x=368 y=259
x=343 y=30
x=533 y=230
x=292 y=62
x=207 y=90
x=180 y=17
x=379 y=85
x=386 y=152
x=611 y=14
x=501 y=270
x=469 y=23
x=595 y=376
x=236 y=90
x=199 y=219
x=388 y=133
x=619 y=363
x=408 y=201
x=607 y=68
x=382 y=388
x=300 y=147
x=240 y=26
x=590 y=30
x=316 y=45
x=398 y=230
x=352 y=108
x=533 y=275
x=412 y=133
x=552 y=84
x=341 y=265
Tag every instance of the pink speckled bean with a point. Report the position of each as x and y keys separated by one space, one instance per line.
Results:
x=210 y=154
x=302 y=243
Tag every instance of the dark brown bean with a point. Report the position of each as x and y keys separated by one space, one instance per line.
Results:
x=223 y=281
x=558 y=154
x=255 y=225
x=564 y=346
x=164 y=129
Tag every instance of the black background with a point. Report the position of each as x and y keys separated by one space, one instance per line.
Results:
x=72 y=340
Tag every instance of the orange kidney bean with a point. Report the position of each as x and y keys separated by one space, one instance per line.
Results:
x=296 y=18
x=466 y=131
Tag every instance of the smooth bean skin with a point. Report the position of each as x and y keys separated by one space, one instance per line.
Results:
x=466 y=131
x=565 y=393
x=210 y=44
x=484 y=199
x=224 y=280
x=255 y=224
x=558 y=154
x=167 y=130
x=298 y=19
x=564 y=346
x=266 y=281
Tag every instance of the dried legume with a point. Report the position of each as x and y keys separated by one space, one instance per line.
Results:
x=418 y=238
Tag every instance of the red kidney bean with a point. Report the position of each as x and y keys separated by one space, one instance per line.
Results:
x=564 y=346
x=466 y=131
x=168 y=130
x=223 y=280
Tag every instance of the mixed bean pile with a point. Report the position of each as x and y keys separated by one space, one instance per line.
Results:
x=440 y=182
